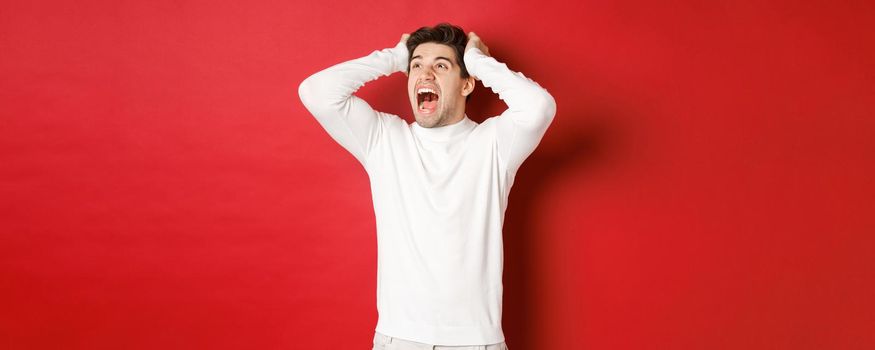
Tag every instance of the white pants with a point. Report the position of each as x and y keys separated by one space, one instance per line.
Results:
x=385 y=342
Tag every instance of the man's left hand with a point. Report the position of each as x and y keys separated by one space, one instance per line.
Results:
x=474 y=41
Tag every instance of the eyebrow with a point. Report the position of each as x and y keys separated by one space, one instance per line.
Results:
x=438 y=58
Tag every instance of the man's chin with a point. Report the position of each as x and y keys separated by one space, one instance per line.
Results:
x=427 y=121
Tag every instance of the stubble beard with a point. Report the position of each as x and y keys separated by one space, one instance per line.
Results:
x=434 y=120
x=430 y=121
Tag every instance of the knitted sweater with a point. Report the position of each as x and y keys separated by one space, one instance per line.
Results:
x=439 y=194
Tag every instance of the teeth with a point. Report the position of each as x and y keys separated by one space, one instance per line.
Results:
x=424 y=90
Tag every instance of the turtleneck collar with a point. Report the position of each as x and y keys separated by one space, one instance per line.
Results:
x=445 y=132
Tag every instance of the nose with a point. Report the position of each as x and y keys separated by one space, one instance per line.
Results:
x=427 y=73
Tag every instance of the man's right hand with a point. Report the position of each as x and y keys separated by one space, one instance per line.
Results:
x=404 y=38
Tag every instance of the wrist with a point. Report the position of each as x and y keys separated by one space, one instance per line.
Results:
x=471 y=56
x=399 y=57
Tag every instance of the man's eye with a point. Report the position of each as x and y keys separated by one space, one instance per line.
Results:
x=415 y=65
x=442 y=65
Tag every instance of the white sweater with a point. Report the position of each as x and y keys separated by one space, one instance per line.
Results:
x=439 y=194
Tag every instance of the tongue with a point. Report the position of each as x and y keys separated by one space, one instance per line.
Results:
x=429 y=105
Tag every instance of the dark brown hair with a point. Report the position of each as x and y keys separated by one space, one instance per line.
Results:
x=442 y=33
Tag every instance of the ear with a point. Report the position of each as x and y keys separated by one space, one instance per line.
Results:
x=468 y=88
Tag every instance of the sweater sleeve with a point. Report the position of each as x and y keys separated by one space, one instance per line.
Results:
x=530 y=108
x=349 y=120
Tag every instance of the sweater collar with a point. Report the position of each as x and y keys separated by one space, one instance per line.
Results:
x=445 y=132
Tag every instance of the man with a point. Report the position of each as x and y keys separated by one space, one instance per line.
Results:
x=439 y=185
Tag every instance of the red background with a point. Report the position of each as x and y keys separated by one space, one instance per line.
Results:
x=707 y=182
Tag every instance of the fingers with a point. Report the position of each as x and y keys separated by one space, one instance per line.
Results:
x=475 y=41
x=473 y=37
x=404 y=37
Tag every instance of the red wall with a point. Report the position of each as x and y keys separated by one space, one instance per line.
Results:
x=707 y=182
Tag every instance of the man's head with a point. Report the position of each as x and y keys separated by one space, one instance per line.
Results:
x=438 y=82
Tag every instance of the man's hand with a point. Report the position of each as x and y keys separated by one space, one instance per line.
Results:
x=404 y=38
x=474 y=41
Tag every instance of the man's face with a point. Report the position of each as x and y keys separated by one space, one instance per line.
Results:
x=435 y=85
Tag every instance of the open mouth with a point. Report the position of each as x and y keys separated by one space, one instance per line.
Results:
x=426 y=100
